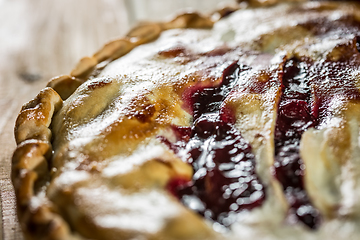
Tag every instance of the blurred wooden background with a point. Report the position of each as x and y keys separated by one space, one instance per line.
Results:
x=40 y=39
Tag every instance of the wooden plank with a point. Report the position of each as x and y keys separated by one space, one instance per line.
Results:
x=11 y=227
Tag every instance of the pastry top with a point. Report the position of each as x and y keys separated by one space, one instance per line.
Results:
x=247 y=129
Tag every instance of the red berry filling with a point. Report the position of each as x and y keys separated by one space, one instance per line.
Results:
x=224 y=180
x=308 y=91
x=294 y=117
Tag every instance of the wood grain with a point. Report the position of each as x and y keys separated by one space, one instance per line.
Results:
x=40 y=39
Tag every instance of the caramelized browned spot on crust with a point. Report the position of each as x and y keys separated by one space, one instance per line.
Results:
x=141 y=108
x=146 y=113
x=99 y=84
x=175 y=51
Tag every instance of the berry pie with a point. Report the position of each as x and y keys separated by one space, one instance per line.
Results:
x=241 y=125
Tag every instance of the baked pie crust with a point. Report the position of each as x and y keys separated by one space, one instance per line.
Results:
x=225 y=127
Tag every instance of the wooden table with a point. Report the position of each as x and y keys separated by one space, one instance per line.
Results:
x=40 y=39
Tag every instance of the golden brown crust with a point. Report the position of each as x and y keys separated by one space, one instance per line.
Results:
x=35 y=117
x=144 y=33
x=84 y=67
x=64 y=85
x=30 y=166
x=114 y=50
x=189 y=20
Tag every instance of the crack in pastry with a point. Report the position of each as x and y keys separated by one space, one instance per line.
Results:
x=306 y=99
x=294 y=118
x=224 y=180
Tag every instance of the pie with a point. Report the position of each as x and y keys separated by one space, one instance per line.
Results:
x=242 y=125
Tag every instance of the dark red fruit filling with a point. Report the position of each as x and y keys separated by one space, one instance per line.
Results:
x=224 y=180
x=294 y=117
x=309 y=89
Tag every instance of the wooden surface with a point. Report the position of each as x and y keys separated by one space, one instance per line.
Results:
x=40 y=39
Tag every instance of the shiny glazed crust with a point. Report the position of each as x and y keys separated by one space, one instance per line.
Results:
x=40 y=209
